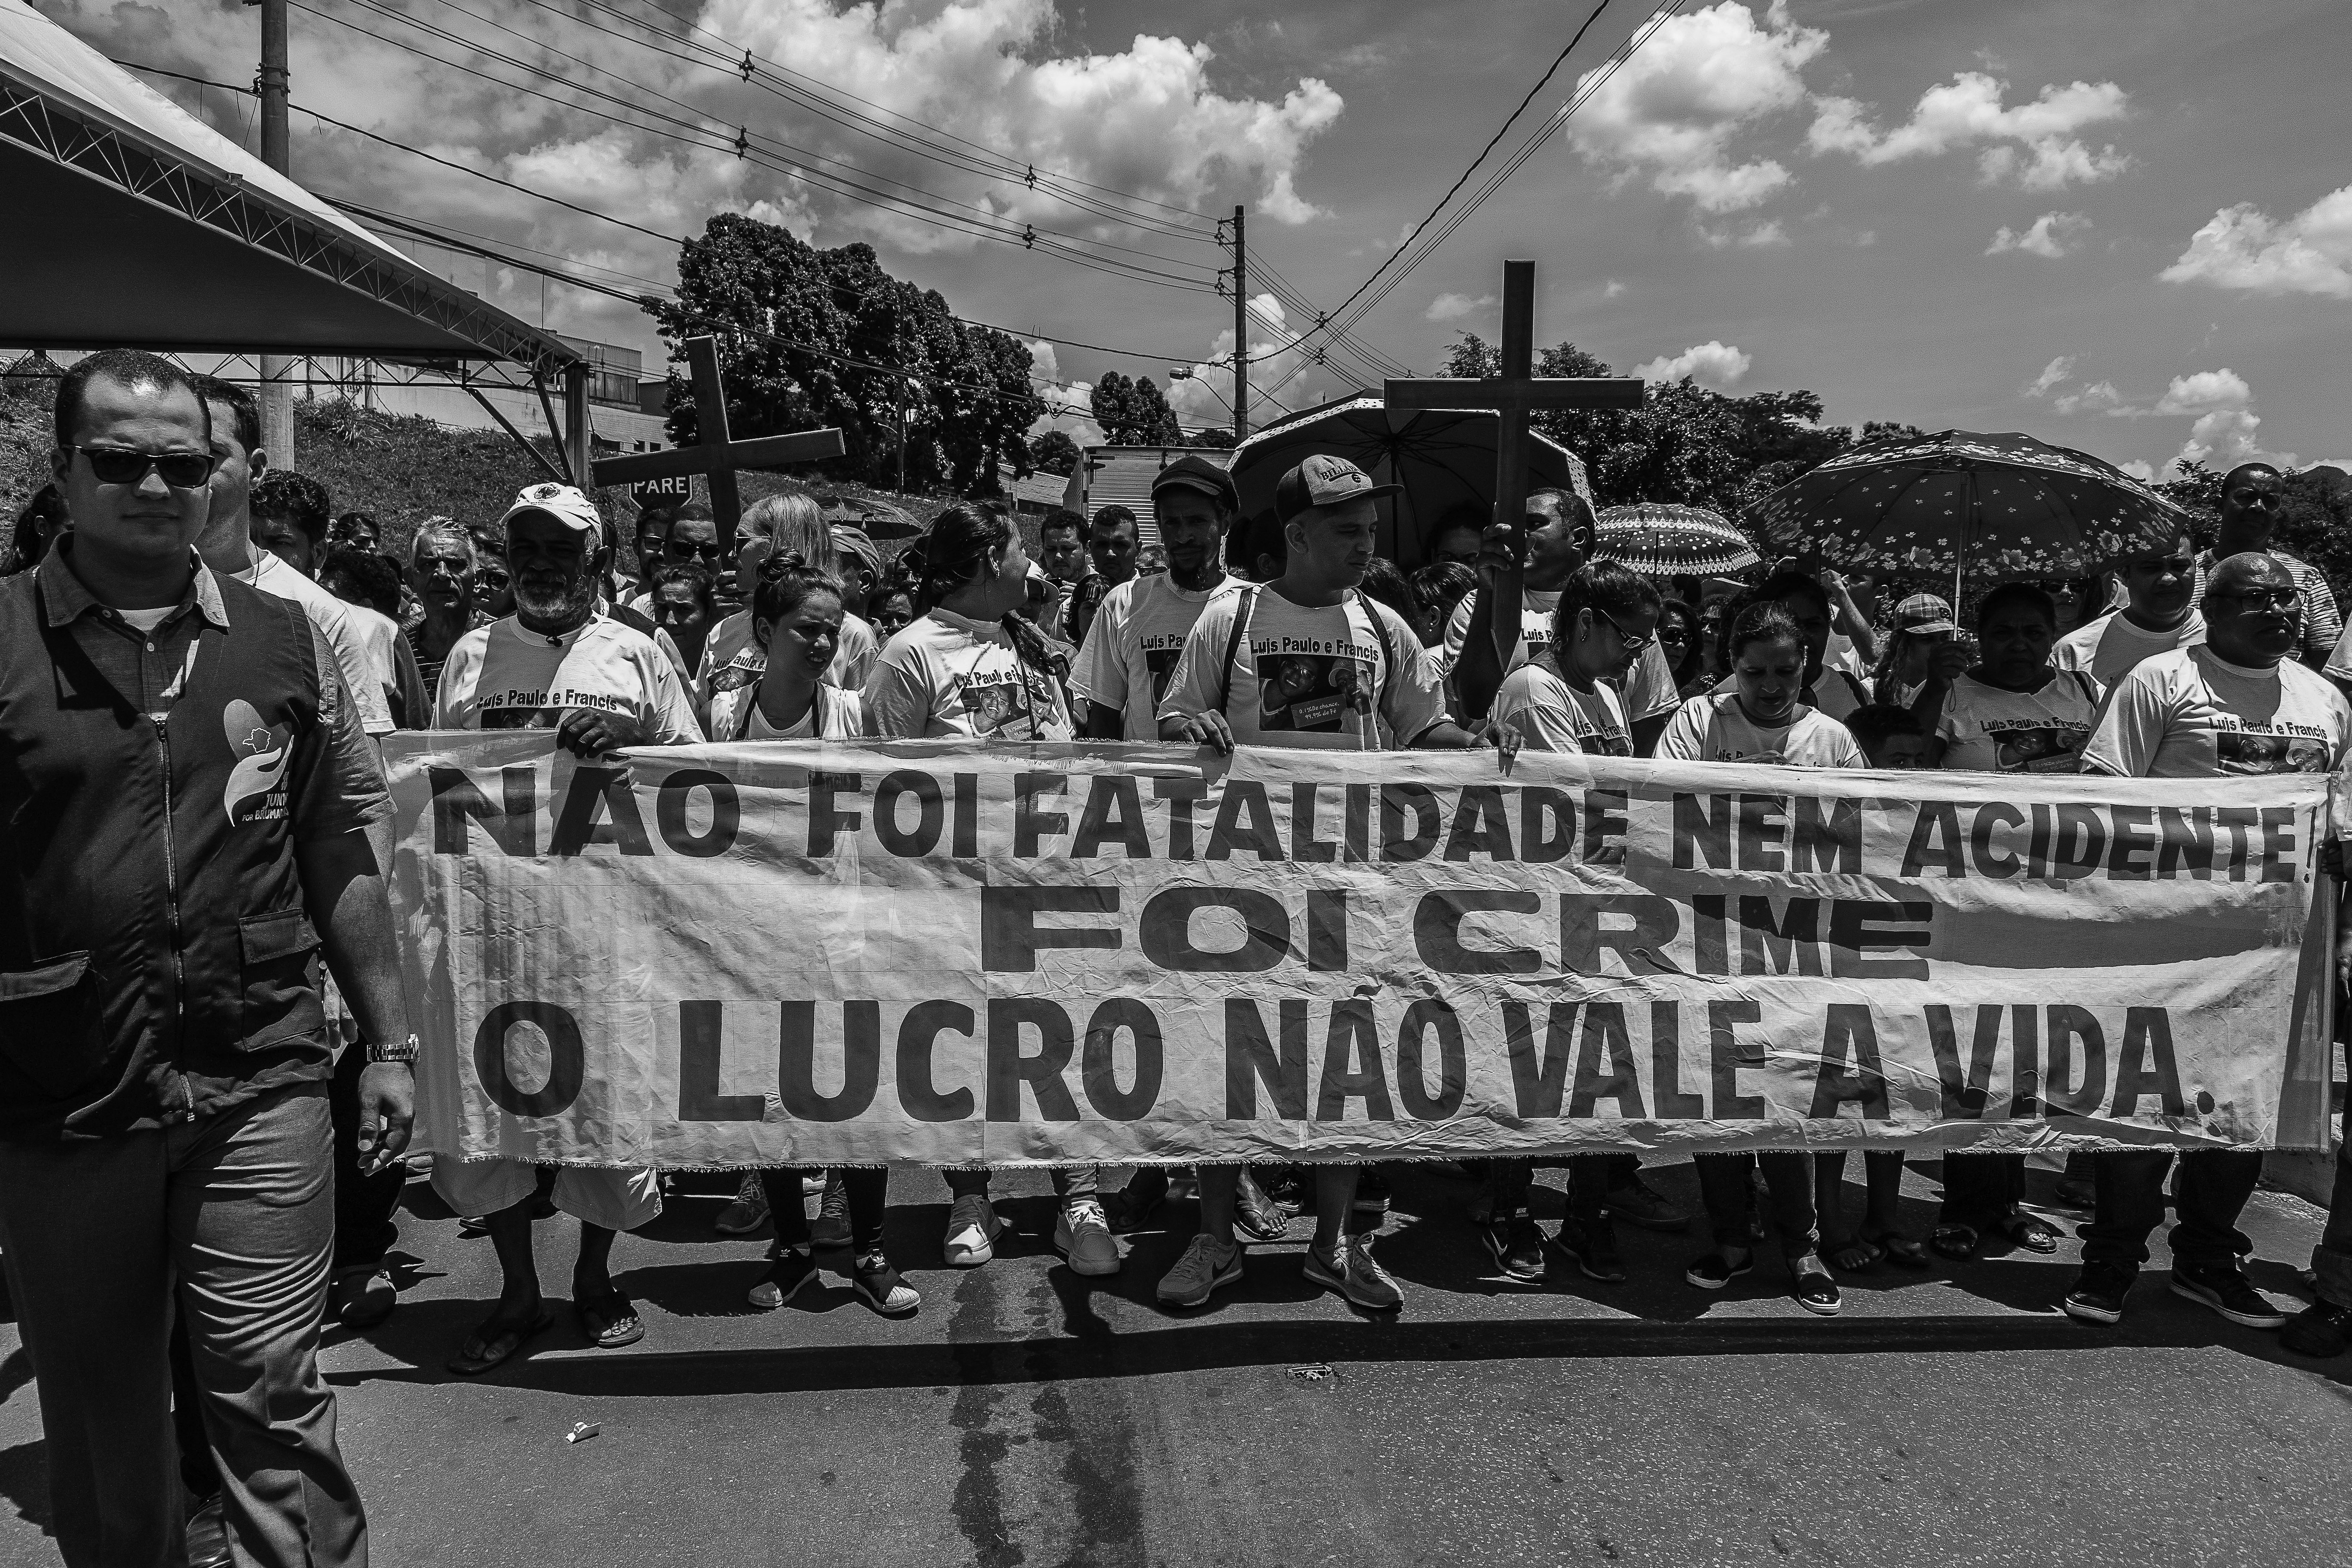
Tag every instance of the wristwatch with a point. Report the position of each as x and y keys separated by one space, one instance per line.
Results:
x=383 y=1051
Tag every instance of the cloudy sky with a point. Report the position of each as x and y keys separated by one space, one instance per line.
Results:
x=2123 y=225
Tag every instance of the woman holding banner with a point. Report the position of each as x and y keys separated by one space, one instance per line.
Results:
x=1759 y=720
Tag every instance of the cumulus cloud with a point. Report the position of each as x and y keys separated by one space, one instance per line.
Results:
x=2056 y=372
x=1280 y=377
x=2310 y=253
x=2204 y=392
x=1711 y=363
x=1677 y=112
x=1454 y=307
x=2050 y=236
x=2099 y=397
x=1069 y=408
x=2032 y=144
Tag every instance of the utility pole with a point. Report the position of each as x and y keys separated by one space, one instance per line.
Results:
x=1241 y=331
x=277 y=369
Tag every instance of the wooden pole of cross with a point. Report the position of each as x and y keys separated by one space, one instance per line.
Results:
x=716 y=456
x=1512 y=395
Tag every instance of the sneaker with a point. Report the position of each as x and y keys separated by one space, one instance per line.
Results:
x=2073 y=1195
x=786 y=1278
x=972 y=1230
x=1639 y=1204
x=748 y=1212
x=878 y=1285
x=1082 y=1236
x=1817 y=1293
x=363 y=1297
x=2098 y=1294
x=1205 y=1265
x=832 y=1228
x=1372 y=1191
x=1354 y=1273
x=1255 y=1216
x=1713 y=1271
x=1515 y=1245
x=2322 y=1330
x=1592 y=1249
x=2226 y=1292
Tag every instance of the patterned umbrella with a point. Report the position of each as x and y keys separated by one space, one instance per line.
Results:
x=1989 y=507
x=1661 y=540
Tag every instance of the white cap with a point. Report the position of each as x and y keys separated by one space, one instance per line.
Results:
x=565 y=503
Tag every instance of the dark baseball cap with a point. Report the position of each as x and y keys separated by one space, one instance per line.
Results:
x=1193 y=472
x=1324 y=480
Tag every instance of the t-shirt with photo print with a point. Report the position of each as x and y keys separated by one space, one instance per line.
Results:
x=1992 y=731
x=1133 y=645
x=1648 y=687
x=1550 y=715
x=2191 y=714
x=949 y=675
x=1716 y=729
x=503 y=676
x=1344 y=677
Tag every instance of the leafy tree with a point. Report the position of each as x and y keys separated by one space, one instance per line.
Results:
x=1216 y=439
x=811 y=338
x=1055 y=452
x=1134 y=413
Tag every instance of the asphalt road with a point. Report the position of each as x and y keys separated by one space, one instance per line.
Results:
x=1026 y=1417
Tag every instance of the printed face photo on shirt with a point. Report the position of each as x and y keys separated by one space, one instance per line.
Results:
x=998 y=705
x=1161 y=662
x=1311 y=692
x=2033 y=749
x=2252 y=751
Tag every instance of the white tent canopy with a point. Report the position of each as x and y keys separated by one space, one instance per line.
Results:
x=130 y=222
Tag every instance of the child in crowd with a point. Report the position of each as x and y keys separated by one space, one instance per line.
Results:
x=1891 y=737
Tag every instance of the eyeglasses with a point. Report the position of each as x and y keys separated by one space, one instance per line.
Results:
x=123 y=466
x=1632 y=644
x=2264 y=598
x=678 y=549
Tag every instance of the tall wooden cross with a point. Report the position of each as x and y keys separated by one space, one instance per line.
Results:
x=715 y=455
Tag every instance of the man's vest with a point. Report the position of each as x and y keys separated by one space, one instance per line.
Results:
x=155 y=962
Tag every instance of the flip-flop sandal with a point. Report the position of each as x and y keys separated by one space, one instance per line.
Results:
x=1957 y=1242
x=1901 y=1251
x=2028 y=1233
x=610 y=1320
x=1835 y=1254
x=478 y=1354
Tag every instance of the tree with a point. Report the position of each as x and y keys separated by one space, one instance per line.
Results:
x=1055 y=452
x=811 y=338
x=1134 y=413
x=1215 y=439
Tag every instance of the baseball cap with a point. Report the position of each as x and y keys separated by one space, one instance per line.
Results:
x=564 y=503
x=1324 y=480
x=1924 y=613
x=1193 y=472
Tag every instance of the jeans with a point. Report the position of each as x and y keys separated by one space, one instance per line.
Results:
x=233 y=1217
x=2212 y=1191
x=1725 y=1187
x=2332 y=1258
x=1069 y=1182
x=1982 y=1188
x=868 y=1190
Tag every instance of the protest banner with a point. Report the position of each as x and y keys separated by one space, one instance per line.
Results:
x=944 y=953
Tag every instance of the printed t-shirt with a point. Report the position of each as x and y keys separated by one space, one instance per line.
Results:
x=1987 y=730
x=2110 y=647
x=949 y=675
x=1553 y=716
x=729 y=653
x=1649 y=688
x=1344 y=677
x=2190 y=714
x=1132 y=647
x=504 y=677
x=1713 y=728
x=334 y=619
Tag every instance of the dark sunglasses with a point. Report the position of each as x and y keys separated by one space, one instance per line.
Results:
x=678 y=549
x=1632 y=644
x=2264 y=598
x=122 y=466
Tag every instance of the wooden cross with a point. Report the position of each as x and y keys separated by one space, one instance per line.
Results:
x=716 y=456
x=1517 y=392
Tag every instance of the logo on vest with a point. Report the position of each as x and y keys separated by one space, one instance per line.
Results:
x=256 y=786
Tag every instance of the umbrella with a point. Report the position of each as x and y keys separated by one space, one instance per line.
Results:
x=1443 y=458
x=1997 y=507
x=1661 y=540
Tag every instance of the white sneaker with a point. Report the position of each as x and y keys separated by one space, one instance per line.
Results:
x=1083 y=1235
x=972 y=1230
x=1207 y=1264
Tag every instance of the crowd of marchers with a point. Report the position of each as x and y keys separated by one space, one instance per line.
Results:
x=203 y=1135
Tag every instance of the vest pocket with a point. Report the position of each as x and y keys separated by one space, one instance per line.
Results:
x=281 y=998
x=51 y=1023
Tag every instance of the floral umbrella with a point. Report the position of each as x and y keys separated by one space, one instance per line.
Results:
x=1989 y=507
x=1659 y=540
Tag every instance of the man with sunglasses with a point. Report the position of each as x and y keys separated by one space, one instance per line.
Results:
x=2239 y=704
x=192 y=819
x=2253 y=503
